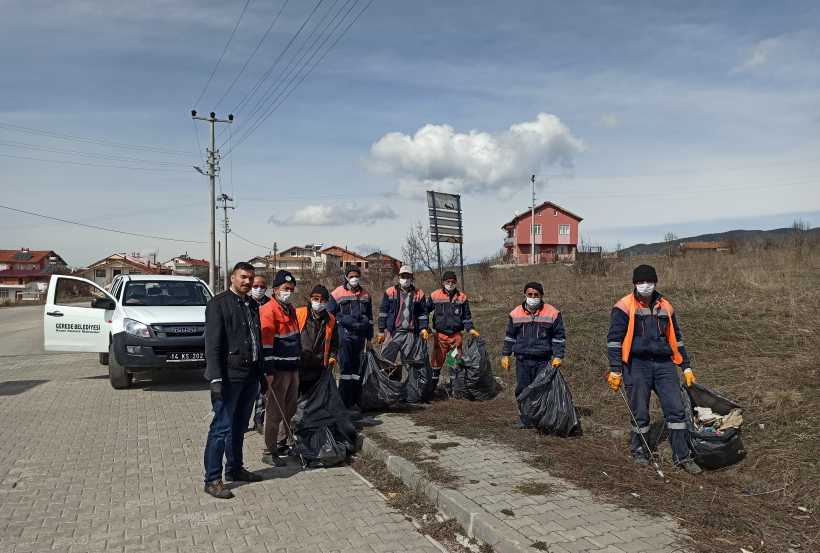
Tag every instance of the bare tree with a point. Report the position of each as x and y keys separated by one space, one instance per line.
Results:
x=669 y=239
x=419 y=251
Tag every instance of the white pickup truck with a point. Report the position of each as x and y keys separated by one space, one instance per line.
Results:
x=140 y=323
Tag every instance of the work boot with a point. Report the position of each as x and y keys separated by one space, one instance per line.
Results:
x=282 y=448
x=242 y=475
x=218 y=490
x=273 y=459
x=259 y=424
x=520 y=425
x=691 y=467
x=641 y=460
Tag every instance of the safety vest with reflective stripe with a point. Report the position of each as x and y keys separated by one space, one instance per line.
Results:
x=451 y=314
x=281 y=345
x=354 y=311
x=539 y=334
x=391 y=308
x=632 y=307
x=301 y=318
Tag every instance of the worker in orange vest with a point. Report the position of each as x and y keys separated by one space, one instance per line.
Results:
x=451 y=316
x=645 y=350
x=319 y=339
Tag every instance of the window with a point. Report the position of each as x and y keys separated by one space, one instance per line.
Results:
x=76 y=293
x=99 y=273
x=4 y=294
x=555 y=213
x=563 y=230
x=116 y=272
x=165 y=293
x=537 y=229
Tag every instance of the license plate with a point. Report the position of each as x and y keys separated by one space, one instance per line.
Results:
x=184 y=356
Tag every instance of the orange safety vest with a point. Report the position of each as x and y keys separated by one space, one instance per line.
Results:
x=629 y=305
x=301 y=318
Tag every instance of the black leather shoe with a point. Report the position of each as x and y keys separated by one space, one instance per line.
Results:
x=242 y=475
x=217 y=489
x=273 y=460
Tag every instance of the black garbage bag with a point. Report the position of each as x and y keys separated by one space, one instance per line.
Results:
x=547 y=404
x=410 y=351
x=710 y=449
x=378 y=390
x=473 y=378
x=323 y=431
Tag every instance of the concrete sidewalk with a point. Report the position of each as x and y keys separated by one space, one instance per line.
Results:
x=486 y=502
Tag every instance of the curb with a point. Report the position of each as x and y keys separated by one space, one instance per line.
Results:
x=475 y=520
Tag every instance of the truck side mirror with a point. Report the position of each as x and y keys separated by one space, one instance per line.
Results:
x=103 y=303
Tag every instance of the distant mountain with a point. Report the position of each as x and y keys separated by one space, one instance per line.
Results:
x=737 y=237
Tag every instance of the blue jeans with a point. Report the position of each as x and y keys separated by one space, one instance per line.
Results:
x=350 y=360
x=641 y=377
x=227 y=433
x=526 y=369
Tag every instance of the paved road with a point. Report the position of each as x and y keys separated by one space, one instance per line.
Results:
x=86 y=468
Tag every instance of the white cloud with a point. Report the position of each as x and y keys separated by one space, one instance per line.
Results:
x=610 y=120
x=437 y=157
x=758 y=55
x=348 y=213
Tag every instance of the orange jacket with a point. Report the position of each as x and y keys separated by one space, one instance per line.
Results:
x=302 y=315
x=281 y=343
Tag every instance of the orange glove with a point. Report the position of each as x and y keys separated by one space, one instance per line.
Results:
x=505 y=362
x=614 y=380
x=689 y=377
x=380 y=338
x=474 y=332
x=425 y=333
x=556 y=362
x=331 y=362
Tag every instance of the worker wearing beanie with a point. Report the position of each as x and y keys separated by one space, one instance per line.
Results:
x=645 y=348
x=281 y=348
x=353 y=308
x=451 y=316
x=319 y=339
x=535 y=334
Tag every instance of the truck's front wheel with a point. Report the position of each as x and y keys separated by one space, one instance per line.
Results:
x=120 y=378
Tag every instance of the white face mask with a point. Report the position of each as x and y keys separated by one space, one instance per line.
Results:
x=257 y=293
x=284 y=295
x=405 y=282
x=645 y=289
x=317 y=306
x=449 y=287
x=353 y=281
x=532 y=302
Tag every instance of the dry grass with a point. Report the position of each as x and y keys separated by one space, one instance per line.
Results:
x=413 y=452
x=751 y=327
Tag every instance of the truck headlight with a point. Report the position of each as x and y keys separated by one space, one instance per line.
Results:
x=136 y=328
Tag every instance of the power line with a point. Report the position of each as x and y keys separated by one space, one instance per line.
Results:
x=82 y=164
x=307 y=74
x=222 y=55
x=100 y=141
x=255 y=50
x=251 y=242
x=107 y=157
x=95 y=227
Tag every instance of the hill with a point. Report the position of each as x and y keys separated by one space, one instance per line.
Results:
x=739 y=238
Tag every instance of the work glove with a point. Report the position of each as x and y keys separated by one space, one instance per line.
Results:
x=474 y=332
x=688 y=377
x=380 y=338
x=556 y=362
x=505 y=362
x=614 y=380
x=331 y=362
x=216 y=391
x=425 y=333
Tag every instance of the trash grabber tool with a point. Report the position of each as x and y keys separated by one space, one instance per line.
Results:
x=287 y=425
x=643 y=438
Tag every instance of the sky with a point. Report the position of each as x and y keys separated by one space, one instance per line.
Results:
x=642 y=117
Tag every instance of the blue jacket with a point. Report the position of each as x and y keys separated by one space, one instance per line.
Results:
x=353 y=311
x=652 y=321
x=540 y=334
x=391 y=306
x=451 y=311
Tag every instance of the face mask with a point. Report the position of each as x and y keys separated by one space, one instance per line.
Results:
x=317 y=306
x=533 y=302
x=645 y=289
x=284 y=296
x=257 y=293
x=353 y=281
x=449 y=287
x=405 y=282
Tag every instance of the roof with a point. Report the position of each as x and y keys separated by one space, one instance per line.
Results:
x=381 y=255
x=190 y=261
x=703 y=245
x=26 y=256
x=25 y=274
x=345 y=250
x=128 y=259
x=539 y=208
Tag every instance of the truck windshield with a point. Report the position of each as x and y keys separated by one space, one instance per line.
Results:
x=165 y=293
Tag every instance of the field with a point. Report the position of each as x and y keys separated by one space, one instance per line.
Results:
x=751 y=327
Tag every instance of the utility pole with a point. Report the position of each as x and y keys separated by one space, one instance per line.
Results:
x=223 y=200
x=532 y=224
x=213 y=169
x=275 y=262
x=218 y=277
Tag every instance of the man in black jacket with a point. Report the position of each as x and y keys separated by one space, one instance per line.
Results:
x=233 y=357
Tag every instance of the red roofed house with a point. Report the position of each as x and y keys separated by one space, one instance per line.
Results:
x=348 y=258
x=556 y=235
x=185 y=265
x=384 y=263
x=103 y=271
x=27 y=270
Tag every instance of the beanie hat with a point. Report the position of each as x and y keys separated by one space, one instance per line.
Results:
x=283 y=277
x=322 y=291
x=644 y=273
x=534 y=286
x=448 y=275
x=353 y=269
